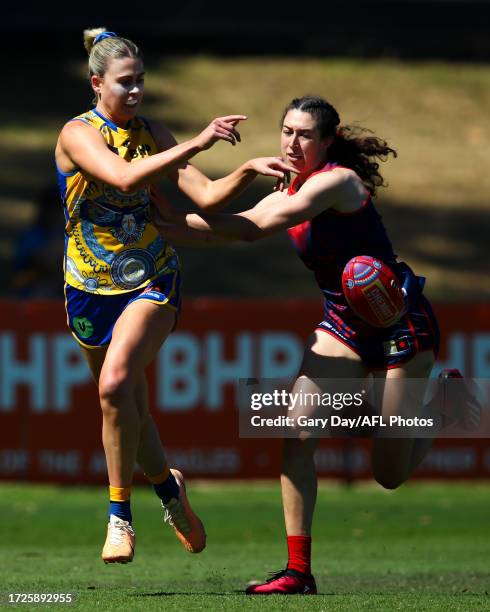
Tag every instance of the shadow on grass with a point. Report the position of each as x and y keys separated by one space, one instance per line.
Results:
x=463 y=584
x=451 y=241
x=190 y=593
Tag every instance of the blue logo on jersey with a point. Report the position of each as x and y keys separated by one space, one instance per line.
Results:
x=154 y=295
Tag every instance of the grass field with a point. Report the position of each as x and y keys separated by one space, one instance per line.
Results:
x=424 y=547
x=434 y=113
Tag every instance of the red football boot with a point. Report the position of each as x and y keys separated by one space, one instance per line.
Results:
x=285 y=582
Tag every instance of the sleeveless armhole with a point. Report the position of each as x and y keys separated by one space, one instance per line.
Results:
x=76 y=170
x=80 y=119
x=364 y=203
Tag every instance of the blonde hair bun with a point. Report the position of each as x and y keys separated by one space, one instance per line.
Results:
x=89 y=37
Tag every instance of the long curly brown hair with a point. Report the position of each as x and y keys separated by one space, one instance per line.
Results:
x=353 y=146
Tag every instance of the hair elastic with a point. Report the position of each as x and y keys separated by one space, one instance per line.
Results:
x=104 y=35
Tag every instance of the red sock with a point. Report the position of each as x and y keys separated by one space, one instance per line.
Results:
x=299 y=554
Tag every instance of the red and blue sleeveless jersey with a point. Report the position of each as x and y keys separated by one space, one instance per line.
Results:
x=329 y=240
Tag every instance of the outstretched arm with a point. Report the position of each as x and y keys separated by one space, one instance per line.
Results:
x=212 y=195
x=182 y=235
x=166 y=219
x=82 y=146
x=278 y=211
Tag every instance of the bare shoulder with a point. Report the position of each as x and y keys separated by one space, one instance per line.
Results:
x=340 y=189
x=78 y=143
x=72 y=136
x=346 y=190
x=354 y=188
x=338 y=180
x=76 y=130
x=163 y=136
x=345 y=174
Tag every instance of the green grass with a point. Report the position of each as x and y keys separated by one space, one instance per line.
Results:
x=424 y=547
x=429 y=111
x=434 y=113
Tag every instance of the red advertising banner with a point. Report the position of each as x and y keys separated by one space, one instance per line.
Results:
x=50 y=422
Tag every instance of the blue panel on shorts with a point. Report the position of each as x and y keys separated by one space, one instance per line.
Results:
x=384 y=348
x=91 y=317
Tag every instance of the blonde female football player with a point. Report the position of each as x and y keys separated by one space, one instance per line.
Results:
x=122 y=276
x=330 y=215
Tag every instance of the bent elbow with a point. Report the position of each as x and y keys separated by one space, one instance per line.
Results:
x=208 y=204
x=127 y=181
x=126 y=189
x=125 y=185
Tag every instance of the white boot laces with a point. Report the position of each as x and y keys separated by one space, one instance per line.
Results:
x=175 y=516
x=117 y=531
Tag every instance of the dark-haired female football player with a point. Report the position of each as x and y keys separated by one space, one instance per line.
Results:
x=121 y=276
x=330 y=216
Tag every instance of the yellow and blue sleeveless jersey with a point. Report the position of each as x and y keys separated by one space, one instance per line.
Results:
x=110 y=244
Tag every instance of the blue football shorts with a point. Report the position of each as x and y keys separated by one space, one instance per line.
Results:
x=91 y=316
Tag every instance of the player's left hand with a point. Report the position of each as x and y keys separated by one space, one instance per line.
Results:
x=273 y=166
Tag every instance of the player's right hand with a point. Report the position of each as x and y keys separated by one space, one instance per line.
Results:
x=221 y=128
x=273 y=166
